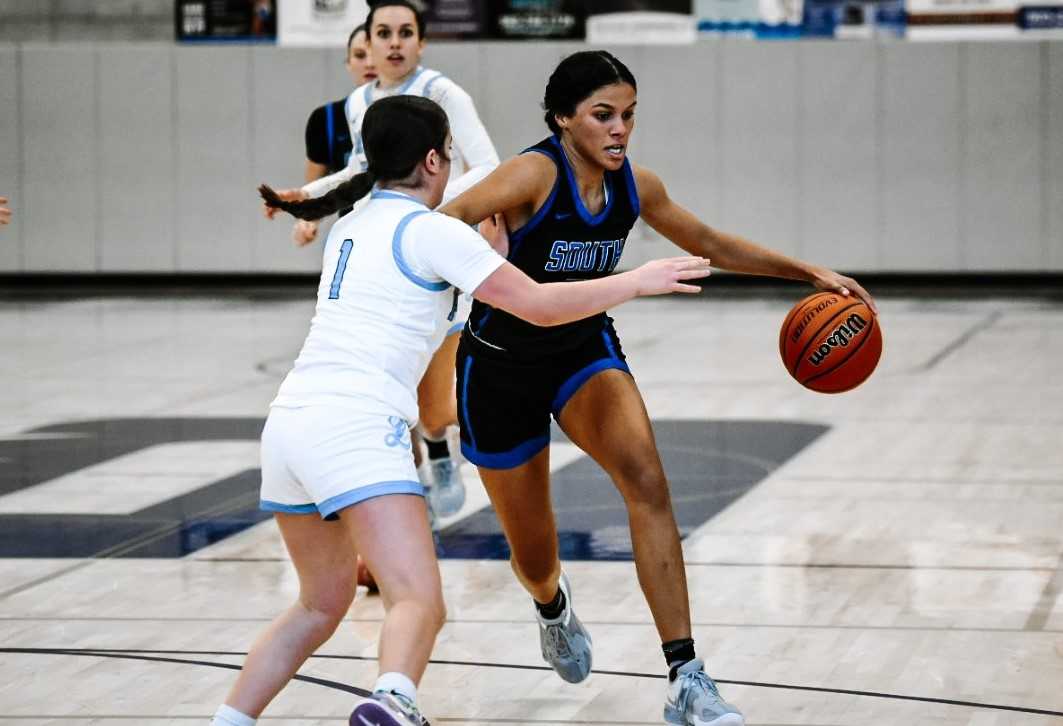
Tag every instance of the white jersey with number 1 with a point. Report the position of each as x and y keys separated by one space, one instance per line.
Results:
x=387 y=296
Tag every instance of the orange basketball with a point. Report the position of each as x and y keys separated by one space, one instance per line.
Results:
x=830 y=343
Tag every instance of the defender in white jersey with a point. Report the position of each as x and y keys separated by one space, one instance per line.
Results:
x=395 y=39
x=335 y=444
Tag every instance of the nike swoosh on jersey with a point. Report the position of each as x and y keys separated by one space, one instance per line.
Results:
x=562 y=215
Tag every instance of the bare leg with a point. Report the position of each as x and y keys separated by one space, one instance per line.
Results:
x=607 y=418
x=521 y=498
x=392 y=535
x=324 y=560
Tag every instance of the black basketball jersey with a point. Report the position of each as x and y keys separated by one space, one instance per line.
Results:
x=561 y=242
x=328 y=137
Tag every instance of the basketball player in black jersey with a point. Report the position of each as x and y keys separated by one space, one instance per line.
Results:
x=327 y=136
x=570 y=202
x=568 y=205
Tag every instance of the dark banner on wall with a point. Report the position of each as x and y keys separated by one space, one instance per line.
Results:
x=226 y=20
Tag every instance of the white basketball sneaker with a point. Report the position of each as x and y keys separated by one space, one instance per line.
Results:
x=387 y=708
x=694 y=700
x=565 y=644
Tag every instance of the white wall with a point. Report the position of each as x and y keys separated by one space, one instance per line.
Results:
x=863 y=156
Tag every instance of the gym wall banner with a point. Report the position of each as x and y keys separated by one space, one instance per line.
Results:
x=751 y=18
x=962 y=19
x=318 y=23
x=221 y=21
x=657 y=22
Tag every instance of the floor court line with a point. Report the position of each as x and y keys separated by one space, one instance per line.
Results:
x=763 y=565
x=136 y=654
x=605 y=623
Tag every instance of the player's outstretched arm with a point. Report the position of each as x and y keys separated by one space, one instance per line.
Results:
x=556 y=303
x=728 y=251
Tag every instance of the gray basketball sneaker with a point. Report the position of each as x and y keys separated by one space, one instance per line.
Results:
x=447 y=494
x=387 y=708
x=566 y=645
x=694 y=700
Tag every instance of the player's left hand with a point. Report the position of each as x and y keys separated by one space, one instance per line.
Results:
x=286 y=195
x=5 y=213
x=494 y=231
x=831 y=281
x=304 y=232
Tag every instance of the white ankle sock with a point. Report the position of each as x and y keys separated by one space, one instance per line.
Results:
x=398 y=683
x=228 y=716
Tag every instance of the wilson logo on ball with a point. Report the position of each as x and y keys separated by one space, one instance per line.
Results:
x=839 y=338
x=830 y=342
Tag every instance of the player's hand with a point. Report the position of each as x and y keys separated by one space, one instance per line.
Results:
x=494 y=231
x=304 y=232
x=5 y=213
x=831 y=281
x=286 y=195
x=660 y=277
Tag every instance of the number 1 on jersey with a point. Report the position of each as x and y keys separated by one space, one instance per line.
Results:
x=341 y=267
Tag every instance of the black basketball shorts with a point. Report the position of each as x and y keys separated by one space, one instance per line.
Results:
x=505 y=403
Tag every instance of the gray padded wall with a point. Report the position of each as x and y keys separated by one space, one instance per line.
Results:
x=919 y=161
x=137 y=215
x=10 y=163
x=862 y=156
x=59 y=198
x=1000 y=173
x=1052 y=132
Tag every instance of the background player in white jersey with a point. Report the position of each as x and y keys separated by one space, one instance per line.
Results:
x=396 y=42
x=336 y=443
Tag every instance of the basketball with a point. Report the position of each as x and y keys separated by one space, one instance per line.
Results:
x=830 y=343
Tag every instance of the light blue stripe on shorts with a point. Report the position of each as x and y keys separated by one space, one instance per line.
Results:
x=346 y=499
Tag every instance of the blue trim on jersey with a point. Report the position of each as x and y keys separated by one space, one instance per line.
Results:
x=396 y=252
x=465 y=402
x=506 y=459
x=391 y=194
x=402 y=91
x=483 y=321
x=609 y=344
x=330 y=132
x=568 y=388
x=585 y=215
x=267 y=506
x=632 y=189
x=361 y=494
x=455 y=328
x=428 y=86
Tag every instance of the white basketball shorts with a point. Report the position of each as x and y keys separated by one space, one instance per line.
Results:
x=320 y=459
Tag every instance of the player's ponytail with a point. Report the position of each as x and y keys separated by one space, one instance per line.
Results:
x=397 y=133
x=576 y=78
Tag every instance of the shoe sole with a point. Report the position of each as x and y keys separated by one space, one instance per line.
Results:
x=671 y=716
x=373 y=714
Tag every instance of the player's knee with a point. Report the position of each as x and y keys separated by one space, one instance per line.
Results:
x=646 y=486
x=330 y=605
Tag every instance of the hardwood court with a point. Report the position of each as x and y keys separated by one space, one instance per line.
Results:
x=891 y=555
